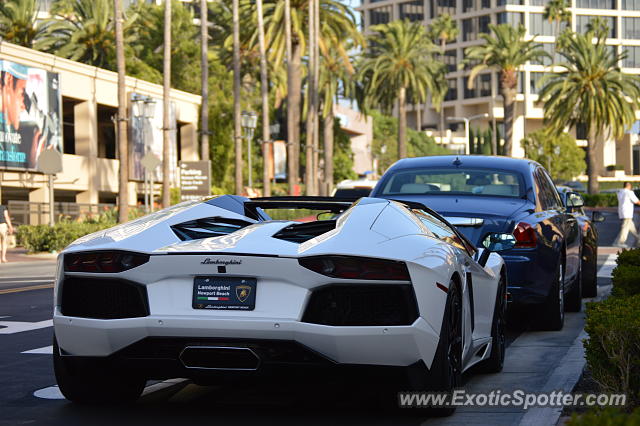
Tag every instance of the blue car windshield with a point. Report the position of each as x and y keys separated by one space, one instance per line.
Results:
x=459 y=181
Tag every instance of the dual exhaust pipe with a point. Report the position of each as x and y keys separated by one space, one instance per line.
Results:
x=219 y=358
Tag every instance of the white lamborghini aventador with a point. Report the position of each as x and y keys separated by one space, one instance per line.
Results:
x=214 y=289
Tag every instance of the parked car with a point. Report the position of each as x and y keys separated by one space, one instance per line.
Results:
x=575 y=185
x=354 y=189
x=215 y=289
x=574 y=203
x=484 y=194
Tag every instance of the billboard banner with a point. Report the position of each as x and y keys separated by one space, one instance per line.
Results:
x=30 y=114
x=280 y=159
x=146 y=135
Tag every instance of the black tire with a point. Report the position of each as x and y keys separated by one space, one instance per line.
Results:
x=87 y=381
x=495 y=362
x=553 y=309
x=590 y=279
x=573 y=302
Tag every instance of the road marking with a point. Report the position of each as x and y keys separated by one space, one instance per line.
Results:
x=607 y=267
x=46 y=278
x=27 y=288
x=52 y=392
x=47 y=350
x=12 y=327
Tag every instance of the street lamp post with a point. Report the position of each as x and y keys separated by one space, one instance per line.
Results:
x=143 y=108
x=466 y=121
x=249 y=121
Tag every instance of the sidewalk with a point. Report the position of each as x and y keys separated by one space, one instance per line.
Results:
x=20 y=255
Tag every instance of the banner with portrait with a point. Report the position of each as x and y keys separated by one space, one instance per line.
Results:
x=30 y=111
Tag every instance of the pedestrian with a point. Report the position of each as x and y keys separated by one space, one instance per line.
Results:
x=5 y=230
x=626 y=200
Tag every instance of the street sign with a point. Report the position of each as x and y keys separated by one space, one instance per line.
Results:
x=50 y=162
x=195 y=179
x=150 y=161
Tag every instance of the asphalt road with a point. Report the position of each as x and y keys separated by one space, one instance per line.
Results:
x=29 y=394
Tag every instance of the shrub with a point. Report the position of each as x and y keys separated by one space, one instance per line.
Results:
x=600 y=200
x=613 y=348
x=607 y=417
x=629 y=257
x=37 y=238
x=626 y=280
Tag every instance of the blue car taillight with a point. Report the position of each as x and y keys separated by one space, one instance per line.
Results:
x=103 y=261
x=525 y=236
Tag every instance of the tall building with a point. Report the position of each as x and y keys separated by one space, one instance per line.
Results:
x=473 y=18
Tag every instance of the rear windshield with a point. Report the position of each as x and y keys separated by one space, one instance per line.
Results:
x=460 y=181
x=357 y=192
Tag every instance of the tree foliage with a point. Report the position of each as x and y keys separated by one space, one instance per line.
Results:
x=558 y=153
x=19 y=23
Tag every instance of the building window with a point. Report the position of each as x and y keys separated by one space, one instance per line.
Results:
x=451 y=60
x=540 y=26
x=413 y=10
x=486 y=4
x=534 y=82
x=596 y=4
x=467 y=5
x=440 y=7
x=452 y=92
x=631 y=4
x=633 y=57
x=106 y=132
x=380 y=15
x=583 y=21
x=503 y=2
x=581 y=131
x=538 y=2
x=468 y=30
x=483 y=23
x=68 y=125
x=512 y=18
x=631 y=28
x=467 y=92
x=484 y=84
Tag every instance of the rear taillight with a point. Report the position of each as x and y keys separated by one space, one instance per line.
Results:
x=103 y=261
x=525 y=236
x=356 y=268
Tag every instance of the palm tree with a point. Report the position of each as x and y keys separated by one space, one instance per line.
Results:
x=85 y=33
x=204 y=79
x=123 y=151
x=336 y=18
x=400 y=59
x=237 y=135
x=505 y=50
x=19 y=24
x=445 y=29
x=590 y=88
x=166 y=107
x=557 y=11
x=312 y=108
x=264 y=91
x=336 y=78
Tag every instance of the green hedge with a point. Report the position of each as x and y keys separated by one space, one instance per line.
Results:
x=600 y=200
x=613 y=348
x=607 y=417
x=626 y=276
x=37 y=238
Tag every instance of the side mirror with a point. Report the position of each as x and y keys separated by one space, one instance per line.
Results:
x=597 y=216
x=574 y=200
x=495 y=243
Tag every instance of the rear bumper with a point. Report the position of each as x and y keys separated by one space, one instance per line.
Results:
x=371 y=345
x=529 y=276
x=284 y=360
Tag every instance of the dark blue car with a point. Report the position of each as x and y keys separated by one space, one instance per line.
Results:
x=483 y=194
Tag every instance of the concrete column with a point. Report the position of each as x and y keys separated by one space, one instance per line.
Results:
x=189 y=142
x=86 y=135
x=40 y=195
x=624 y=154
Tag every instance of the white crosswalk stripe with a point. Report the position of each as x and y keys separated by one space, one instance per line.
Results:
x=607 y=267
x=47 y=350
x=12 y=327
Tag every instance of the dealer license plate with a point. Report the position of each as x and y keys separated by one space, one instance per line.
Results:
x=224 y=293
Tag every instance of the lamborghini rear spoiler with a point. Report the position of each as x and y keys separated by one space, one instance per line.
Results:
x=330 y=204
